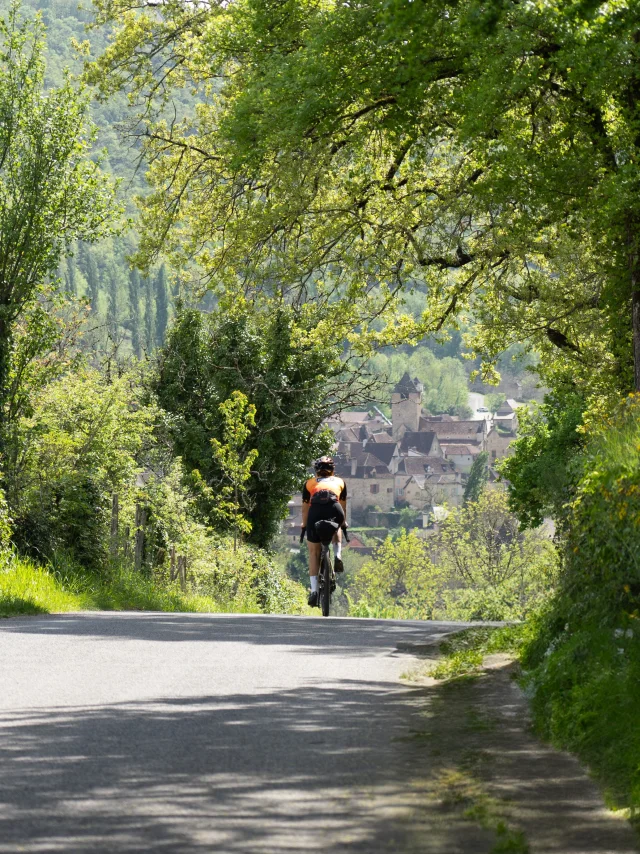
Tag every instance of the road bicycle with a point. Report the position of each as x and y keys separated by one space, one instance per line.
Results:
x=326 y=575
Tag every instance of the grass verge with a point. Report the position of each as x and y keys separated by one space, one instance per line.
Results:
x=26 y=588
x=463 y=653
x=584 y=684
x=584 y=687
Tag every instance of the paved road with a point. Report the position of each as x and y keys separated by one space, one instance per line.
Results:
x=197 y=733
x=476 y=400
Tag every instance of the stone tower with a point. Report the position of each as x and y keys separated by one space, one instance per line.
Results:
x=406 y=406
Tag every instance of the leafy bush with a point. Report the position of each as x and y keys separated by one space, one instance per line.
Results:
x=399 y=581
x=81 y=443
x=584 y=661
x=541 y=472
x=493 y=570
x=479 y=567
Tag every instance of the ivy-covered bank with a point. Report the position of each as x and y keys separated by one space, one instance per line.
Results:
x=582 y=661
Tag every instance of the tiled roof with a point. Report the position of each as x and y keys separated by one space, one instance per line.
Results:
x=458 y=429
x=422 y=442
x=383 y=452
x=424 y=465
x=353 y=417
x=367 y=460
x=382 y=438
x=348 y=434
x=457 y=450
x=427 y=419
x=406 y=386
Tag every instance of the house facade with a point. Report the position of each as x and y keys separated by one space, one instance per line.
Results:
x=414 y=459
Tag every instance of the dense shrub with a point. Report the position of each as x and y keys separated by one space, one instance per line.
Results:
x=584 y=660
x=81 y=443
x=480 y=566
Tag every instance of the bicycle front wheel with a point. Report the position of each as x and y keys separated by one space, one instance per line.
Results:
x=325 y=590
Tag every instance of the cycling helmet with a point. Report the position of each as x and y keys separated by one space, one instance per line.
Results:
x=324 y=464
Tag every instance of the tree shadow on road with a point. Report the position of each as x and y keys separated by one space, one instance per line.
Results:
x=349 y=636
x=356 y=767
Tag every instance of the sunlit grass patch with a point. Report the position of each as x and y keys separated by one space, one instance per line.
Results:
x=463 y=653
x=26 y=588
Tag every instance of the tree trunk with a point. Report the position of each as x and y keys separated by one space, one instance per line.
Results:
x=114 y=524
x=634 y=281
x=235 y=518
x=635 y=315
x=141 y=521
x=5 y=358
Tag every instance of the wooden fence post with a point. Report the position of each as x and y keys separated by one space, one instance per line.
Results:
x=182 y=571
x=141 y=521
x=114 y=524
x=127 y=544
x=172 y=570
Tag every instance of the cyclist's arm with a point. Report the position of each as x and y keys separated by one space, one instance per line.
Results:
x=343 y=498
x=306 y=498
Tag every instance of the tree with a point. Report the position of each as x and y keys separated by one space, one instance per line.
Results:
x=399 y=574
x=235 y=459
x=51 y=192
x=478 y=477
x=112 y=300
x=294 y=380
x=134 y=311
x=162 y=305
x=81 y=442
x=148 y=315
x=542 y=472
x=407 y=143
x=70 y=276
x=90 y=270
x=495 y=401
x=492 y=570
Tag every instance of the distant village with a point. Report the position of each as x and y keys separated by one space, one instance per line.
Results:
x=414 y=460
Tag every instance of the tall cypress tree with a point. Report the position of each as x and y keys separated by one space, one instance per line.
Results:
x=162 y=305
x=112 y=294
x=134 y=311
x=70 y=276
x=90 y=270
x=148 y=315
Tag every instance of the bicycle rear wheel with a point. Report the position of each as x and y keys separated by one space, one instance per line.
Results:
x=325 y=586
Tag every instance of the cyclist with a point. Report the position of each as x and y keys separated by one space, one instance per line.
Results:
x=324 y=497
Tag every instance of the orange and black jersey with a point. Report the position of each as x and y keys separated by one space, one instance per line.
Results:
x=324 y=484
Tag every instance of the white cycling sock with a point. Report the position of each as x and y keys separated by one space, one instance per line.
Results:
x=314 y=583
x=337 y=550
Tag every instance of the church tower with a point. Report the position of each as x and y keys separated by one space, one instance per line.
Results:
x=406 y=406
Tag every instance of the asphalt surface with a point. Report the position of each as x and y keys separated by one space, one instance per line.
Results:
x=189 y=733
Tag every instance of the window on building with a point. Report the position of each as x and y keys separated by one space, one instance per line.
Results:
x=400 y=491
x=374 y=488
x=389 y=489
x=494 y=454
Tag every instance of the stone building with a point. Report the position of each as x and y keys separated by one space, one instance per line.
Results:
x=414 y=459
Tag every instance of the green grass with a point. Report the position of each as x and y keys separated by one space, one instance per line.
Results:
x=584 y=687
x=26 y=588
x=464 y=652
x=585 y=690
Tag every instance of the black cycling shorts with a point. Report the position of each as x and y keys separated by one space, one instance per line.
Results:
x=332 y=510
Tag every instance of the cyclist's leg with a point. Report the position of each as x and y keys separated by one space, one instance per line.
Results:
x=337 y=541
x=314 y=558
x=314 y=567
